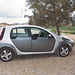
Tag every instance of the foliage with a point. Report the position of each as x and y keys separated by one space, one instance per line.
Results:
x=51 y=12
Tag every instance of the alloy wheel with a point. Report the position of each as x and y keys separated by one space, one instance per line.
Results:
x=6 y=55
x=64 y=51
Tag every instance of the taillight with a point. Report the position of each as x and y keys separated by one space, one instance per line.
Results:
x=2 y=33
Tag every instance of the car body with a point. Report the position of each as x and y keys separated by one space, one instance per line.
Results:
x=31 y=39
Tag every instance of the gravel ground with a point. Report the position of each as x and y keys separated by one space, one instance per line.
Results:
x=40 y=64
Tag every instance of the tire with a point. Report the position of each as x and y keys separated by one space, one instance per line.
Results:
x=6 y=54
x=63 y=51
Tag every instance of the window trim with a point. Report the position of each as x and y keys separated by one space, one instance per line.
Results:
x=17 y=32
x=39 y=29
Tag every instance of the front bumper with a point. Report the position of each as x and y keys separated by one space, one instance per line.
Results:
x=71 y=43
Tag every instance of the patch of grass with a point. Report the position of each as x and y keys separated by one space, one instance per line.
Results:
x=64 y=29
x=72 y=32
x=67 y=28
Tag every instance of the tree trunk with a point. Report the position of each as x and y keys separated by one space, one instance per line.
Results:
x=58 y=30
x=57 y=24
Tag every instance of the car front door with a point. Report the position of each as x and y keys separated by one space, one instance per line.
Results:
x=21 y=39
x=41 y=42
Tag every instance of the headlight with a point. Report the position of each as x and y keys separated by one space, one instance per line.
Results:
x=67 y=39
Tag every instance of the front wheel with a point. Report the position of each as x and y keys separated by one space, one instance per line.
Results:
x=63 y=51
x=6 y=54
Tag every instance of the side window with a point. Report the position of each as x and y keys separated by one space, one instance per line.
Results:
x=36 y=32
x=22 y=32
x=14 y=32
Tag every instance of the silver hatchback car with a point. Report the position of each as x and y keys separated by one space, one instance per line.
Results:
x=31 y=39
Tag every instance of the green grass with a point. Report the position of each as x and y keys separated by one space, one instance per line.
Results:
x=63 y=29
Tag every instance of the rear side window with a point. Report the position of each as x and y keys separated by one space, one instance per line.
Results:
x=2 y=33
x=22 y=32
x=19 y=32
x=13 y=33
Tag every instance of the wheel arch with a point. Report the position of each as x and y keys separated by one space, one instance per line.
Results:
x=62 y=44
x=8 y=46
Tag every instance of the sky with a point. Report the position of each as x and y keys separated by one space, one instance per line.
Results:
x=13 y=11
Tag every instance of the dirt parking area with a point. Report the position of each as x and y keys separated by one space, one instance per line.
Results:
x=40 y=64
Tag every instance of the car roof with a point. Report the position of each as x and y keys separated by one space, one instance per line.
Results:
x=13 y=26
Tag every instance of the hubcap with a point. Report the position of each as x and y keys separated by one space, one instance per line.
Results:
x=6 y=55
x=64 y=51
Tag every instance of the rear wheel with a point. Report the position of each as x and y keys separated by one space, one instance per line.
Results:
x=6 y=54
x=64 y=51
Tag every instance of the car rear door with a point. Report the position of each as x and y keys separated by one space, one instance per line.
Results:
x=21 y=39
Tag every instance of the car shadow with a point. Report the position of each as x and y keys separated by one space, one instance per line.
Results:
x=37 y=56
x=40 y=56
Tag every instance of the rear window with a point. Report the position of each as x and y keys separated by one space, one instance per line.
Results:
x=2 y=33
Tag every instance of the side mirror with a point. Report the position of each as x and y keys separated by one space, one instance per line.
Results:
x=49 y=36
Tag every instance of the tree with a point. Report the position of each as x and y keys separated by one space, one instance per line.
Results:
x=51 y=12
